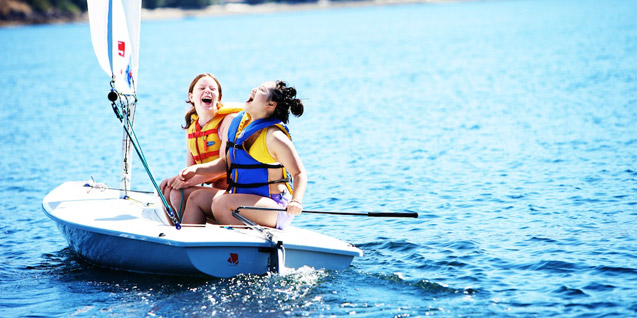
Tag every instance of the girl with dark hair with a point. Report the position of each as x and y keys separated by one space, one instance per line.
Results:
x=207 y=125
x=262 y=165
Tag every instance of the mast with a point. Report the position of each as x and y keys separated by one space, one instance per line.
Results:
x=127 y=148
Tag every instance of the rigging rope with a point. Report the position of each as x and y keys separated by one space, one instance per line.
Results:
x=114 y=96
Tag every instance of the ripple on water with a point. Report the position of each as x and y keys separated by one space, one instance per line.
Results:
x=599 y=287
x=431 y=288
x=553 y=266
x=569 y=293
x=615 y=271
x=399 y=246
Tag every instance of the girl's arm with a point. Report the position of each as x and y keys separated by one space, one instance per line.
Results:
x=212 y=169
x=178 y=183
x=282 y=149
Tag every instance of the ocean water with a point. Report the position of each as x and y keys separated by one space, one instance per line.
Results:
x=510 y=126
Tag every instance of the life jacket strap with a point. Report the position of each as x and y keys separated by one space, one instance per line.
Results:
x=198 y=134
x=230 y=144
x=233 y=184
x=256 y=166
x=205 y=155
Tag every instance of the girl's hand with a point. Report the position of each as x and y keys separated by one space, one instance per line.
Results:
x=294 y=208
x=179 y=183
x=164 y=184
x=187 y=173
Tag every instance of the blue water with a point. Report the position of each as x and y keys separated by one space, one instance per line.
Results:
x=510 y=126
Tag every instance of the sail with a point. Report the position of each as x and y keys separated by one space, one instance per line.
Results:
x=115 y=28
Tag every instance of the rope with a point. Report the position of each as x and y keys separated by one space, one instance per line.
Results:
x=128 y=128
x=181 y=204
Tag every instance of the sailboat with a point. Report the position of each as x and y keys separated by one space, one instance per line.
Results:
x=138 y=231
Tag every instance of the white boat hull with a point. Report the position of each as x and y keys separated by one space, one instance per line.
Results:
x=135 y=235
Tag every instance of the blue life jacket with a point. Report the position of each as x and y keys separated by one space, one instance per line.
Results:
x=246 y=174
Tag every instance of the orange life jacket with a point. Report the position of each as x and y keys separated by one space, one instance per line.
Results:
x=204 y=142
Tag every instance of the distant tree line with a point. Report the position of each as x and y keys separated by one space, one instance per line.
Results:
x=68 y=6
x=43 y=11
x=76 y=6
x=184 y=4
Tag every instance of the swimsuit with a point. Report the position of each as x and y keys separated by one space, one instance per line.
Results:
x=283 y=219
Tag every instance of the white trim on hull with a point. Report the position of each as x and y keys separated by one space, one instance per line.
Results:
x=135 y=235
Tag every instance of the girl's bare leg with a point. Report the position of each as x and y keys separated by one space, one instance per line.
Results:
x=199 y=205
x=165 y=190
x=224 y=205
x=178 y=201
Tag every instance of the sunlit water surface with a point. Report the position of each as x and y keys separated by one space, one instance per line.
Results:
x=510 y=126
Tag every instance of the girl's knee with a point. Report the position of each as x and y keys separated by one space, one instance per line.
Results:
x=175 y=196
x=219 y=206
x=217 y=201
x=166 y=192
x=196 y=195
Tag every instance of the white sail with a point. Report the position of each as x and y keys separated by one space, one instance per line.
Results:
x=115 y=28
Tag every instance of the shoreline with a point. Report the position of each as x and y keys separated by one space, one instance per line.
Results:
x=242 y=8
x=232 y=9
